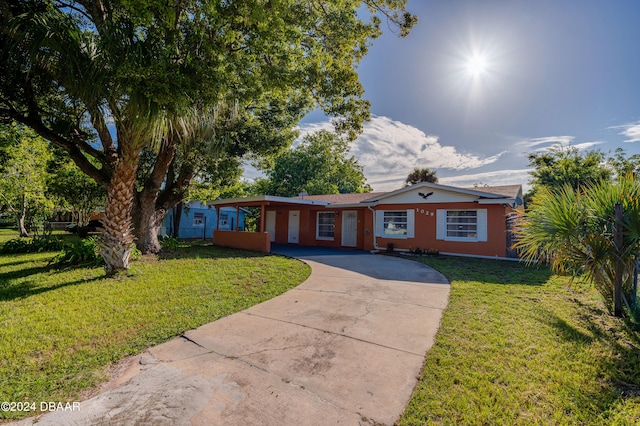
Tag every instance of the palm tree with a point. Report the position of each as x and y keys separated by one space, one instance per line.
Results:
x=421 y=175
x=575 y=232
x=85 y=67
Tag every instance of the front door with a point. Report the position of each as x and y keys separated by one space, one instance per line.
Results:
x=294 y=226
x=350 y=228
x=270 y=224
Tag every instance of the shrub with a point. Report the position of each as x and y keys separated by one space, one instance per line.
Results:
x=135 y=253
x=31 y=245
x=169 y=243
x=82 y=252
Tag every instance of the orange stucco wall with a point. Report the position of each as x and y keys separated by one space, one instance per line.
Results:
x=256 y=241
x=425 y=228
x=307 y=231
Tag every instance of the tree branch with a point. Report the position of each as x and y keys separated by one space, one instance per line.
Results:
x=71 y=6
x=163 y=161
x=173 y=192
x=11 y=208
x=99 y=123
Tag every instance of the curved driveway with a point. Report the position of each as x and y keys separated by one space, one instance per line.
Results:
x=345 y=347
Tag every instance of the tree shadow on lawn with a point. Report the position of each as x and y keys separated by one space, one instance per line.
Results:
x=209 y=251
x=620 y=373
x=490 y=271
x=32 y=287
x=24 y=272
x=17 y=262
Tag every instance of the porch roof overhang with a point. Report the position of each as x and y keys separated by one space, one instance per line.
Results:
x=351 y=205
x=510 y=201
x=264 y=200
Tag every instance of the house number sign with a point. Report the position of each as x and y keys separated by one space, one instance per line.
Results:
x=424 y=212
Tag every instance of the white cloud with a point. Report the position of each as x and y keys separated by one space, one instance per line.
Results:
x=388 y=150
x=544 y=143
x=587 y=145
x=631 y=131
x=547 y=140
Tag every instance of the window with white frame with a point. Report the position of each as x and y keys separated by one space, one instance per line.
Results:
x=325 y=225
x=224 y=220
x=461 y=225
x=395 y=223
x=198 y=219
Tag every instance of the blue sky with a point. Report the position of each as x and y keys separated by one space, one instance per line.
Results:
x=554 y=71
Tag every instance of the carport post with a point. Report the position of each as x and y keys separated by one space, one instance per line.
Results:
x=262 y=218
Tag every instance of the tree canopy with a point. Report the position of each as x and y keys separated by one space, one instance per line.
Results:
x=421 y=175
x=24 y=175
x=117 y=82
x=320 y=164
x=561 y=165
x=72 y=190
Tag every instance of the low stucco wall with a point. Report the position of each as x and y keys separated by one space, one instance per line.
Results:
x=256 y=241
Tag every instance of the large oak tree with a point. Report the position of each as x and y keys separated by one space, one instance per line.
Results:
x=320 y=164
x=168 y=84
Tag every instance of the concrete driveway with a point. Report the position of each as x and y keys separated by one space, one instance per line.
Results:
x=343 y=348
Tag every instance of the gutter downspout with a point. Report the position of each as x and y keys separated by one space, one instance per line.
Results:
x=375 y=223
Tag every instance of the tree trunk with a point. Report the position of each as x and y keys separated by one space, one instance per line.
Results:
x=177 y=216
x=117 y=236
x=148 y=220
x=153 y=203
x=619 y=266
x=22 y=217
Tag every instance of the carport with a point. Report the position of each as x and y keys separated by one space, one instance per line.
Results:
x=265 y=233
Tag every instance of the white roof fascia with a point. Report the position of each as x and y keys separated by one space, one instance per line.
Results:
x=434 y=186
x=497 y=201
x=351 y=205
x=232 y=208
x=259 y=198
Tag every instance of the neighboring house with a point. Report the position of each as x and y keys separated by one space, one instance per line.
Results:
x=470 y=221
x=199 y=221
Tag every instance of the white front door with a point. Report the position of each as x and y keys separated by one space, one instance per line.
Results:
x=270 y=224
x=350 y=228
x=294 y=226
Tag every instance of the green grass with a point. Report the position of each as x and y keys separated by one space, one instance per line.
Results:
x=60 y=330
x=518 y=345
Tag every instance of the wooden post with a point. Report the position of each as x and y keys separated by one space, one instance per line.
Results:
x=262 y=219
x=619 y=267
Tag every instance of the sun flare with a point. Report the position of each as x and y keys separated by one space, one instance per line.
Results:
x=476 y=65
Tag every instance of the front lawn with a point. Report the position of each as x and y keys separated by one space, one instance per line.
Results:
x=60 y=330
x=517 y=345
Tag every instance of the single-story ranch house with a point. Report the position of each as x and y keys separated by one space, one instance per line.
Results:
x=197 y=220
x=427 y=216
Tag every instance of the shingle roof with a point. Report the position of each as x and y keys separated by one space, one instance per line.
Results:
x=511 y=191
x=342 y=198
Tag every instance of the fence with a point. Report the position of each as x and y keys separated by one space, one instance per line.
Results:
x=632 y=305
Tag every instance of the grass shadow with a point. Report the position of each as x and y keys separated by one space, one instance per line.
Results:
x=208 y=251
x=620 y=373
x=31 y=288
x=485 y=271
x=25 y=272
x=18 y=262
